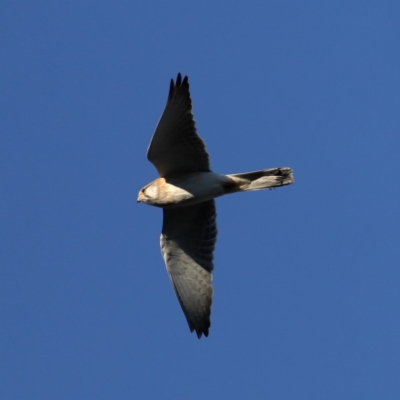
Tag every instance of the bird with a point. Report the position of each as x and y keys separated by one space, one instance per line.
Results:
x=185 y=189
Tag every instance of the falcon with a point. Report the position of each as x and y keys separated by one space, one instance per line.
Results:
x=185 y=189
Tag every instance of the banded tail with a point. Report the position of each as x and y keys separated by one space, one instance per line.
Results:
x=263 y=179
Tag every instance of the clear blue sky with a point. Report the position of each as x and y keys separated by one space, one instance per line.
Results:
x=307 y=278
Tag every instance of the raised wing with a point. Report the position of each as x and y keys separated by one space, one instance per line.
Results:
x=187 y=244
x=175 y=145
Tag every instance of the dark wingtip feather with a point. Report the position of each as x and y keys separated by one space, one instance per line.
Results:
x=182 y=82
x=199 y=331
x=171 y=89
x=178 y=83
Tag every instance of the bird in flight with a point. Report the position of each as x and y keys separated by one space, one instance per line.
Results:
x=185 y=189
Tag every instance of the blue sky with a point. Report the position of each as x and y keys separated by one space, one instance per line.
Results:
x=307 y=277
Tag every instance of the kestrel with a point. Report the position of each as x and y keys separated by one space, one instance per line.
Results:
x=185 y=190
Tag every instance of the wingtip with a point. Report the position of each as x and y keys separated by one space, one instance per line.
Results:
x=178 y=83
x=199 y=333
x=202 y=330
x=171 y=88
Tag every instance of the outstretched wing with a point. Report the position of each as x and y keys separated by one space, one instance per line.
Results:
x=187 y=244
x=175 y=145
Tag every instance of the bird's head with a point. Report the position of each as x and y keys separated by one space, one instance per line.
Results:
x=148 y=195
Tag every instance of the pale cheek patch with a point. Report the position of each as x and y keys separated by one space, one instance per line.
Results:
x=152 y=192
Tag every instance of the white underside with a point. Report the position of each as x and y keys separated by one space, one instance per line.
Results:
x=193 y=188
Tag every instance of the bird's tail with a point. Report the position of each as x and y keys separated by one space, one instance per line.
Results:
x=264 y=179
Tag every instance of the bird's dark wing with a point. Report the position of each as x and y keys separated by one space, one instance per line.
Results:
x=175 y=145
x=187 y=244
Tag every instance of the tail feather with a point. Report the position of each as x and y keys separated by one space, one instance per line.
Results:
x=264 y=179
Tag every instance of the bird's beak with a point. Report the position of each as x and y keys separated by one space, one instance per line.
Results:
x=139 y=199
